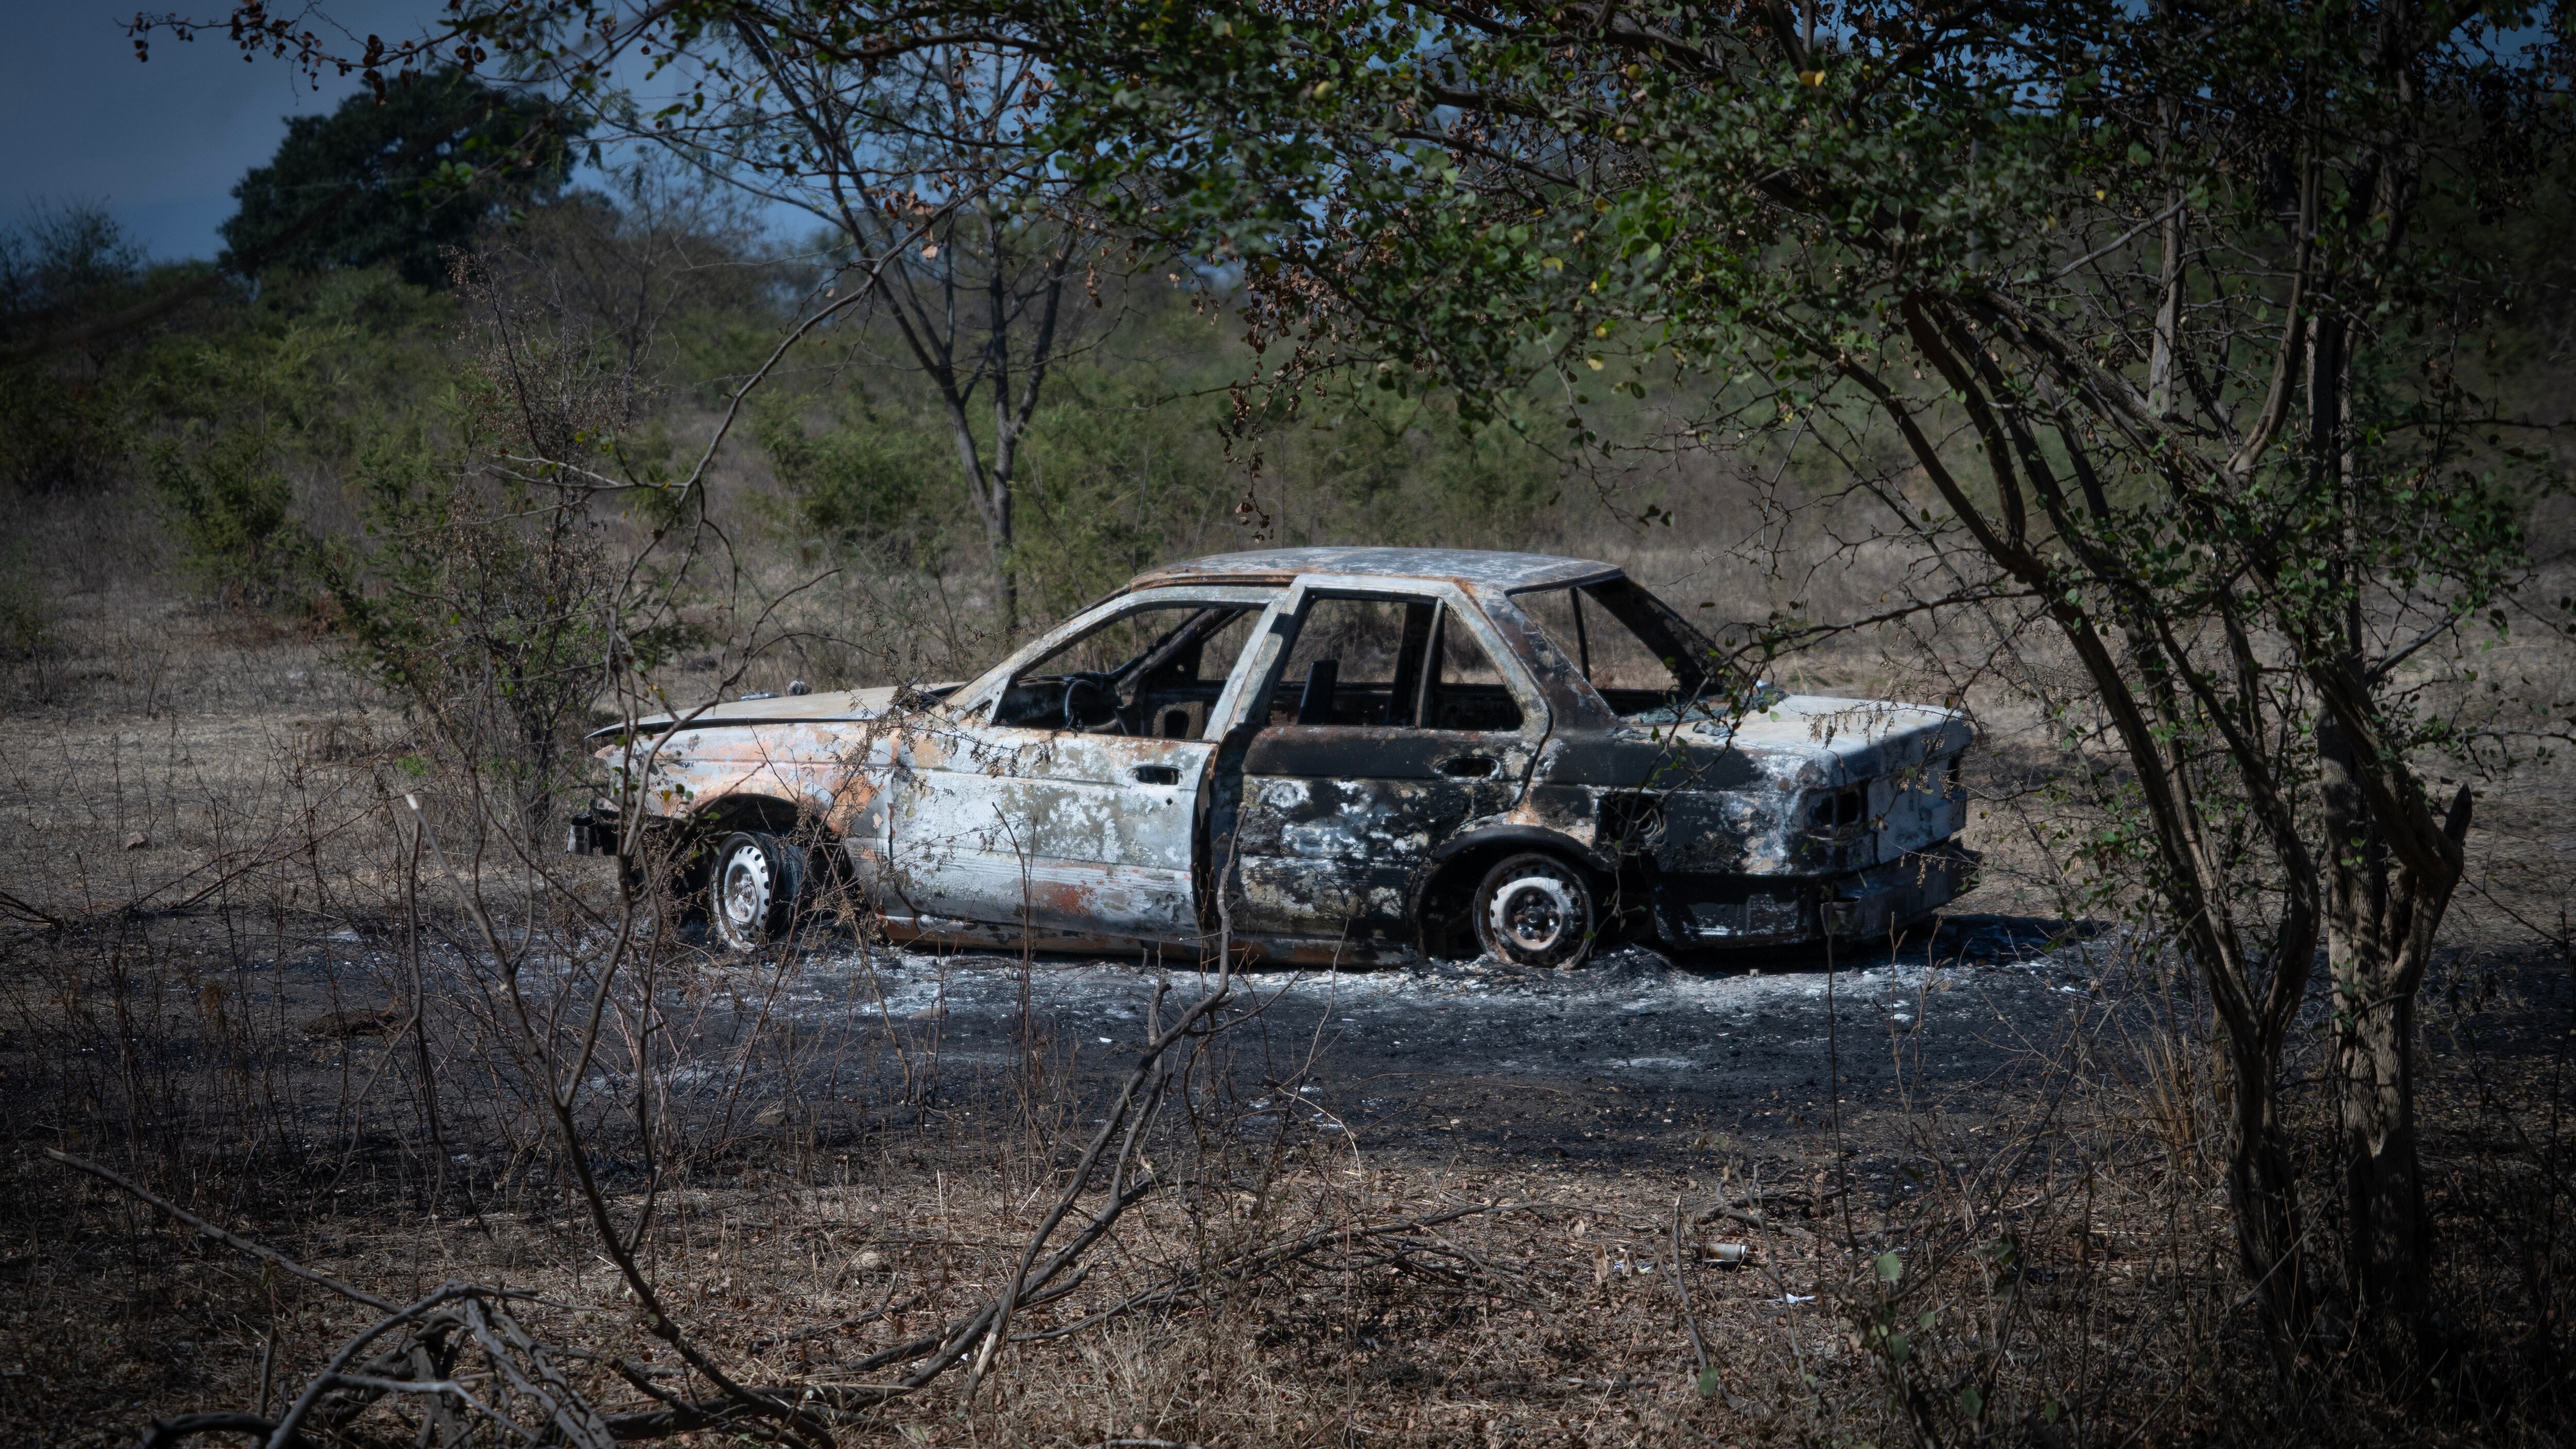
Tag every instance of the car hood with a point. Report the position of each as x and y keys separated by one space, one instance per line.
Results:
x=1823 y=740
x=843 y=704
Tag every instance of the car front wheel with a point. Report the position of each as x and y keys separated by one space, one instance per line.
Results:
x=1535 y=910
x=758 y=881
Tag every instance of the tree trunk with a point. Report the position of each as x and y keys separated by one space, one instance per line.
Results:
x=2390 y=1244
x=2381 y=919
x=2263 y=1193
x=2382 y=909
x=1006 y=580
x=989 y=490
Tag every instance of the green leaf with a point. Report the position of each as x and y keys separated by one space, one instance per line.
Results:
x=1890 y=1268
x=1708 y=1383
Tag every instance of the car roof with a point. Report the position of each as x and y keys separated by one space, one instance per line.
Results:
x=1473 y=567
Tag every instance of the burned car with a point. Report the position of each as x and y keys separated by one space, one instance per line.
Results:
x=1325 y=755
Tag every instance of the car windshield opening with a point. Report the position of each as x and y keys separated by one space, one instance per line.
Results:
x=1648 y=663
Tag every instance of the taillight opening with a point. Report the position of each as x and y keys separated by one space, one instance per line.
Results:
x=1839 y=810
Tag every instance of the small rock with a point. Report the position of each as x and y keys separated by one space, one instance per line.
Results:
x=138 y=841
x=773 y=1115
x=870 y=1261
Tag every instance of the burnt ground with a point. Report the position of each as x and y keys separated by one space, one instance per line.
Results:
x=1636 y=1061
x=1632 y=1061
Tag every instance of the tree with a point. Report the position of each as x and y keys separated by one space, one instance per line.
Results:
x=914 y=144
x=2138 y=300
x=922 y=162
x=65 y=421
x=482 y=594
x=424 y=163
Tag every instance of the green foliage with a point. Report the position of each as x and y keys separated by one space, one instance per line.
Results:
x=490 y=611
x=64 y=421
x=269 y=392
x=1105 y=478
x=231 y=510
x=62 y=431
x=869 y=478
x=424 y=166
x=1126 y=466
x=1417 y=470
x=481 y=590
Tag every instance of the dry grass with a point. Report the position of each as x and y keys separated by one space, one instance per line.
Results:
x=2061 y=1278
x=1554 y=1322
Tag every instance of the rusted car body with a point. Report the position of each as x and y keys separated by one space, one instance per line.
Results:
x=1345 y=754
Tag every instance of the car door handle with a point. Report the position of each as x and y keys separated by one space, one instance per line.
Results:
x=1155 y=775
x=1468 y=766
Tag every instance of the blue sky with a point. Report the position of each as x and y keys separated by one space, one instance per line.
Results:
x=159 y=144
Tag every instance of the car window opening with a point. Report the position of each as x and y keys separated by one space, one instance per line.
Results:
x=1647 y=662
x=1389 y=663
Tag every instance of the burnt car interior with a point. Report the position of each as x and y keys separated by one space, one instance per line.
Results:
x=1149 y=672
x=1647 y=662
x=1389 y=663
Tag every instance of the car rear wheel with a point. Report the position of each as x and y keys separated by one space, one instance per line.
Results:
x=1535 y=910
x=758 y=881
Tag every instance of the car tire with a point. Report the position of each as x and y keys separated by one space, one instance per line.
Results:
x=1535 y=910
x=759 y=880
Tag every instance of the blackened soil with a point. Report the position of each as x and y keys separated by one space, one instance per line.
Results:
x=1631 y=1061
x=1634 y=1062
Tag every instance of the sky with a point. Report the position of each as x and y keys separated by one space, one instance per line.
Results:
x=158 y=144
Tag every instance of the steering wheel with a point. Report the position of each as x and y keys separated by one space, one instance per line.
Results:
x=1076 y=685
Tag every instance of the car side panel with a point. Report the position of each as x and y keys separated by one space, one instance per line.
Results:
x=1337 y=823
x=1053 y=829
x=819 y=768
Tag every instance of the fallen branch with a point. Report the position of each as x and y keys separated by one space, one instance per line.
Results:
x=1268 y=1260
x=1714 y=1211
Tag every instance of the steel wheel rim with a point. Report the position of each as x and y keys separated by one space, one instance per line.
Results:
x=746 y=891
x=1534 y=913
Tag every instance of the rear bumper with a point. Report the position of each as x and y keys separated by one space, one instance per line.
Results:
x=1878 y=900
x=1787 y=911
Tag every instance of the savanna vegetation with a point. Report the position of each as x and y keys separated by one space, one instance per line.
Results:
x=2182 y=391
